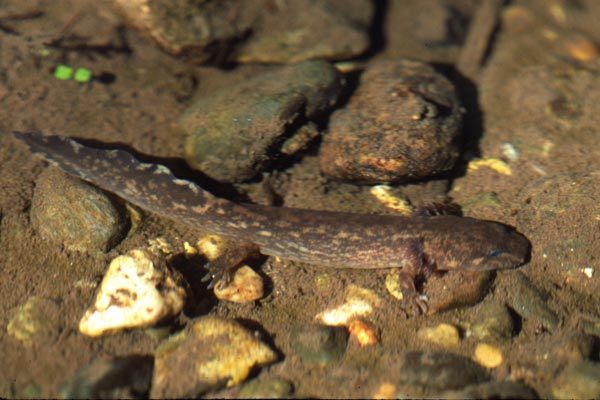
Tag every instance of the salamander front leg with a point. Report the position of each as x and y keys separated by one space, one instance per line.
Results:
x=410 y=297
x=224 y=266
x=416 y=266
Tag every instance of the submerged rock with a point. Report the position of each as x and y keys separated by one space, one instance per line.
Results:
x=79 y=216
x=402 y=123
x=253 y=30
x=440 y=370
x=232 y=134
x=39 y=318
x=208 y=354
x=115 y=378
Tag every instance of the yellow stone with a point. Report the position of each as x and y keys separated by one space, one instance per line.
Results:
x=489 y=356
x=493 y=163
x=443 y=334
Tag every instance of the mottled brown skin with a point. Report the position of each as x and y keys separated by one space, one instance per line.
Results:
x=418 y=245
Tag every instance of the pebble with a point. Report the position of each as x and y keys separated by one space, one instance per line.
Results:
x=386 y=390
x=112 y=378
x=138 y=290
x=232 y=134
x=440 y=370
x=209 y=353
x=529 y=303
x=319 y=344
x=242 y=32
x=444 y=334
x=488 y=355
x=363 y=332
x=266 y=389
x=401 y=124
x=358 y=302
x=493 y=321
x=577 y=381
x=246 y=287
x=39 y=319
x=493 y=390
x=70 y=212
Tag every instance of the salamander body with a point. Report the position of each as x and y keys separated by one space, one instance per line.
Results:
x=331 y=239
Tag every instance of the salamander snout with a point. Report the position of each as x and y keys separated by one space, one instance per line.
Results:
x=509 y=249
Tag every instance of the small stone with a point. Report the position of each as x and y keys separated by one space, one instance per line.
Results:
x=233 y=134
x=137 y=291
x=113 y=378
x=440 y=370
x=446 y=335
x=39 y=318
x=489 y=356
x=578 y=381
x=319 y=344
x=493 y=322
x=358 y=302
x=246 y=286
x=266 y=389
x=386 y=390
x=363 y=332
x=493 y=390
x=580 y=48
x=209 y=353
x=401 y=124
x=528 y=302
x=81 y=217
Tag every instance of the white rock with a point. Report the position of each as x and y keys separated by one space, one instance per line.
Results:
x=135 y=292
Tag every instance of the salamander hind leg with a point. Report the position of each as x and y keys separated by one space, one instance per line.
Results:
x=224 y=266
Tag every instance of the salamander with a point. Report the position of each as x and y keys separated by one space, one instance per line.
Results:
x=416 y=244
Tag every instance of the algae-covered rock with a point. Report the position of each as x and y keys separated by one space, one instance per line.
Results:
x=39 y=318
x=232 y=134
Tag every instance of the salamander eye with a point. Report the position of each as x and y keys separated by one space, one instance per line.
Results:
x=494 y=253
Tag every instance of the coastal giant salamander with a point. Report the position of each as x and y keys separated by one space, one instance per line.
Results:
x=416 y=244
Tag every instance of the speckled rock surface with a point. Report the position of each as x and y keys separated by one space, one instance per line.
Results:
x=68 y=211
x=402 y=123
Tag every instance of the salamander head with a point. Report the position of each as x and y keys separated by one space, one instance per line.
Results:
x=467 y=243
